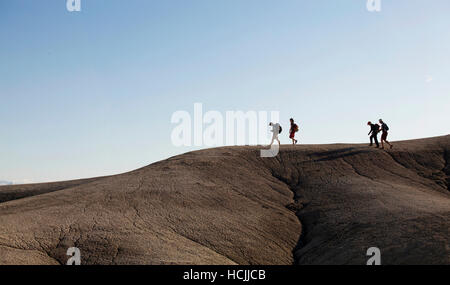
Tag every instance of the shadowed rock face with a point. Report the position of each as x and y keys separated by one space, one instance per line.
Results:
x=312 y=204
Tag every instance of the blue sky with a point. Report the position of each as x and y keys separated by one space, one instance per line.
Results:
x=92 y=93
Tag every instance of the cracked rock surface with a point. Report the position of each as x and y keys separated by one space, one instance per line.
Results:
x=312 y=204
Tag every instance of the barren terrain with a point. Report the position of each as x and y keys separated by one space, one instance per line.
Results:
x=312 y=204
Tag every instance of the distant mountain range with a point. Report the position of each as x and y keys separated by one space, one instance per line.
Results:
x=2 y=182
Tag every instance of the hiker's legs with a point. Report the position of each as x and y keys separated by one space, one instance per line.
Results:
x=384 y=139
x=292 y=137
x=374 y=138
x=390 y=145
x=275 y=138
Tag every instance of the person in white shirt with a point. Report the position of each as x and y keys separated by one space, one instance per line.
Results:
x=276 y=131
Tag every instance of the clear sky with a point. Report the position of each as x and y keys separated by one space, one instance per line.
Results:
x=92 y=93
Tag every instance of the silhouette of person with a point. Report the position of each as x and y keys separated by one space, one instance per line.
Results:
x=384 y=134
x=374 y=129
x=292 y=131
x=276 y=131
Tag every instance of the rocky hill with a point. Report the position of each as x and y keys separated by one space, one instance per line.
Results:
x=312 y=204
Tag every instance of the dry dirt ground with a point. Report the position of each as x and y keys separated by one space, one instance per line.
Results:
x=312 y=204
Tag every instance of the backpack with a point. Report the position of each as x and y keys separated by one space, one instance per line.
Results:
x=280 y=130
x=386 y=127
x=295 y=128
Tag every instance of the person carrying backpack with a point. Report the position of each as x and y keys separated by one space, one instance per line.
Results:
x=276 y=130
x=374 y=129
x=292 y=131
x=384 y=134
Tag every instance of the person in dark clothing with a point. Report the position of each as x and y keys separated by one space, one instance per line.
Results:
x=374 y=129
x=384 y=134
x=292 y=131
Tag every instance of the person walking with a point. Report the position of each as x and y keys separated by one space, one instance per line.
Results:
x=374 y=129
x=276 y=130
x=384 y=134
x=292 y=131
